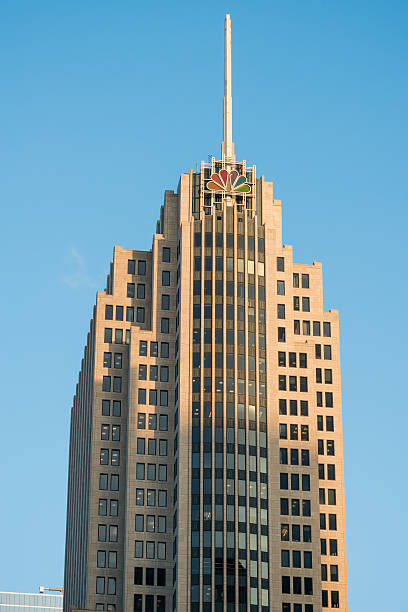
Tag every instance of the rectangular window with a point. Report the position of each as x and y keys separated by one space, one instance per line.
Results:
x=130 y=290
x=100 y=585
x=130 y=314
x=103 y=482
x=117 y=384
x=117 y=361
x=102 y=533
x=281 y=311
x=140 y=470
x=306 y=304
x=280 y=287
x=326 y=329
x=165 y=325
x=165 y=302
x=103 y=507
x=115 y=457
x=296 y=280
x=281 y=334
x=165 y=278
x=114 y=484
x=280 y=264
x=119 y=313
x=106 y=383
x=166 y=254
x=141 y=267
x=141 y=291
x=305 y=281
x=140 y=314
x=164 y=350
x=104 y=456
x=296 y=302
x=108 y=335
x=139 y=555
x=131 y=266
x=109 y=312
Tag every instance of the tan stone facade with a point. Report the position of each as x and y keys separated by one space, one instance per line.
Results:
x=206 y=462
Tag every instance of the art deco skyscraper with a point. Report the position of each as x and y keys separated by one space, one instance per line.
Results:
x=206 y=462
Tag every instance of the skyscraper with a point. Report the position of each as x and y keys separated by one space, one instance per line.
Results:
x=206 y=465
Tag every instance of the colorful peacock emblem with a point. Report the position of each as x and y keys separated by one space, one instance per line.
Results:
x=228 y=181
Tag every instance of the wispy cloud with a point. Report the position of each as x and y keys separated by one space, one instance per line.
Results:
x=77 y=275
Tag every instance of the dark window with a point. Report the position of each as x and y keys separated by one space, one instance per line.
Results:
x=141 y=291
x=281 y=334
x=280 y=264
x=296 y=280
x=140 y=314
x=165 y=325
x=333 y=548
x=109 y=312
x=285 y=584
x=166 y=254
x=106 y=383
x=208 y=239
x=131 y=266
x=335 y=601
x=138 y=575
x=326 y=329
x=130 y=290
x=164 y=350
x=165 y=302
x=308 y=584
x=117 y=384
x=281 y=311
x=165 y=278
x=306 y=304
x=130 y=313
x=285 y=558
x=119 y=313
x=141 y=267
x=305 y=281
x=282 y=406
x=108 y=335
x=280 y=287
x=333 y=522
x=296 y=302
x=305 y=457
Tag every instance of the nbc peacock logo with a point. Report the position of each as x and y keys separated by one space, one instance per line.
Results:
x=228 y=181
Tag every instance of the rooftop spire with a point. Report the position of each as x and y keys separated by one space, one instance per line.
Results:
x=227 y=149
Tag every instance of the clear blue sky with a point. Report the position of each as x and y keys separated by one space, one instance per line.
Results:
x=102 y=105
